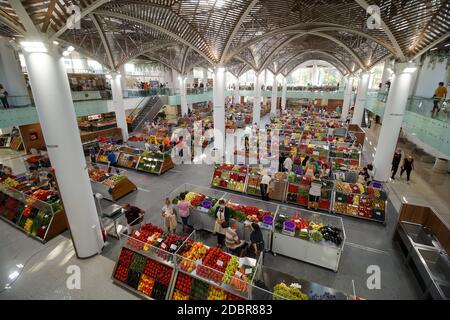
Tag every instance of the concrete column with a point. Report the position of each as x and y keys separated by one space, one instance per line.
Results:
x=257 y=100
x=57 y=117
x=123 y=81
x=175 y=79
x=274 y=98
x=315 y=75
x=348 y=94
x=11 y=75
x=118 y=103
x=237 y=96
x=205 y=77
x=283 y=94
x=392 y=120
x=386 y=73
x=183 y=95
x=361 y=96
x=219 y=109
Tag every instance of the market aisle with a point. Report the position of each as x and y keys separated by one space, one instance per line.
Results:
x=426 y=186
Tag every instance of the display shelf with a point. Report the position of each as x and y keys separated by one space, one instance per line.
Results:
x=199 y=214
x=111 y=186
x=129 y=157
x=295 y=230
x=155 y=162
x=105 y=149
x=230 y=177
x=356 y=200
x=38 y=219
x=298 y=192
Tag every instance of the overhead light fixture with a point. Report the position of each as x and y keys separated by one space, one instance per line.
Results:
x=55 y=43
x=65 y=53
x=433 y=49
x=33 y=46
x=70 y=49
x=390 y=70
x=447 y=45
x=409 y=69
x=108 y=76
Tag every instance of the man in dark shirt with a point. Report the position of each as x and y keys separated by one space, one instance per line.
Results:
x=112 y=162
x=134 y=216
x=395 y=163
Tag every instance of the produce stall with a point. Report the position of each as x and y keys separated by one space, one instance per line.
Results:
x=285 y=286
x=359 y=201
x=202 y=200
x=105 y=150
x=155 y=162
x=39 y=213
x=316 y=150
x=298 y=191
x=208 y=273
x=129 y=157
x=344 y=154
x=309 y=236
x=111 y=186
x=230 y=177
x=147 y=265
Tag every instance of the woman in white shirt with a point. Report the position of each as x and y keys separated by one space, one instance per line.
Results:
x=288 y=164
x=169 y=216
x=264 y=185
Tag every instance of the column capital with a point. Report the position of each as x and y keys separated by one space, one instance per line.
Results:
x=405 y=67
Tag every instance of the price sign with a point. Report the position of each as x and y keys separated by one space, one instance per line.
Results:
x=159 y=240
x=173 y=247
x=163 y=246
x=149 y=238
x=238 y=273
x=220 y=263
x=137 y=233
x=248 y=271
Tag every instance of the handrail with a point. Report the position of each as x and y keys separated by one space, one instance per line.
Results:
x=137 y=107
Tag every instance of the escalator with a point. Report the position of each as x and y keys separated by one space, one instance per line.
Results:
x=147 y=113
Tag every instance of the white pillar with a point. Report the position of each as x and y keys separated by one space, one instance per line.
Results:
x=11 y=75
x=219 y=109
x=392 y=119
x=183 y=95
x=274 y=98
x=57 y=117
x=283 y=94
x=123 y=81
x=118 y=104
x=175 y=79
x=237 y=96
x=257 y=100
x=348 y=94
x=315 y=75
x=386 y=73
x=205 y=77
x=361 y=96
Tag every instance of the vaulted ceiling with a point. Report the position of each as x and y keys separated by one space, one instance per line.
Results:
x=240 y=34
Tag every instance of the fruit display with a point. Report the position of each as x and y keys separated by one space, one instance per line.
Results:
x=231 y=177
x=298 y=192
x=231 y=269
x=121 y=273
x=159 y=291
x=128 y=160
x=214 y=264
x=197 y=200
x=291 y=292
x=133 y=278
x=178 y=295
x=151 y=161
x=196 y=251
x=146 y=285
x=317 y=151
x=199 y=290
x=184 y=283
x=344 y=152
x=243 y=213
x=216 y=294
x=360 y=201
x=146 y=236
x=138 y=263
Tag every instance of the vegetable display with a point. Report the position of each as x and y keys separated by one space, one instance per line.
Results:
x=291 y=292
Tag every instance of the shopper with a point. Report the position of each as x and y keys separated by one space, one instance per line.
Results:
x=287 y=164
x=408 y=166
x=370 y=173
x=264 y=186
x=281 y=159
x=170 y=220
x=232 y=242
x=112 y=162
x=92 y=155
x=439 y=95
x=166 y=142
x=180 y=148
x=4 y=97
x=396 y=162
x=324 y=171
x=305 y=161
x=222 y=222
x=134 y=216
x=184 y=212
x=246 y=144
x=256 y=240
x=315 y=192
x=34 y=176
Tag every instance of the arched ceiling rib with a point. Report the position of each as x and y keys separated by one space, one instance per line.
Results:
x=243 y=32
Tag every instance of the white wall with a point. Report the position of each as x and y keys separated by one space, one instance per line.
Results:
x=429 y=77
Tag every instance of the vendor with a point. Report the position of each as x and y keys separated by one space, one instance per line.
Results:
x=134 y=216
x=315 y=192
x=34 y=176
x=256 y=240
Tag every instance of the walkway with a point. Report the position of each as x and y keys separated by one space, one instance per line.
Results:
x=426 y=186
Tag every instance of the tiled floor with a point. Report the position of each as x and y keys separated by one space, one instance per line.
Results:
x=44 y=266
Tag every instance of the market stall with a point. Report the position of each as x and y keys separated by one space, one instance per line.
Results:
x=37 y=212
x=111 y=186
x=129 y=157
x=230 y=177
x=298 y=191
x=309 y=236
x=155 y=162
x=360 y=201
